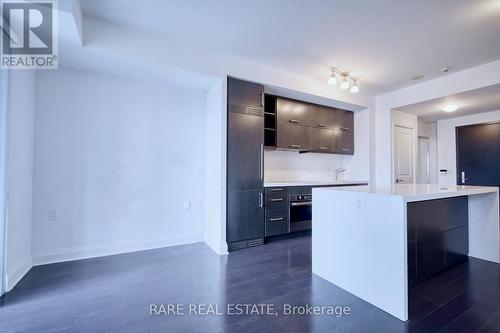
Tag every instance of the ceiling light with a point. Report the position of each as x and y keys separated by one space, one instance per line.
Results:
x=354 y=88
x=332 y=80
x=450 y=107
x=344 y=85
x=346 y=81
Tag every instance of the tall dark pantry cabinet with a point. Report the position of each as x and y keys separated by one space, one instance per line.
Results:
x=245 y=164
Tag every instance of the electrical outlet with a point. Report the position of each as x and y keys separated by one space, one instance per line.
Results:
x=54 y=215
x=360 y=206
x=187 y=205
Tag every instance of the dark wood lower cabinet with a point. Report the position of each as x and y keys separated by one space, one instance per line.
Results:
x=276 y=215
x=245 y=218
x=438 y=236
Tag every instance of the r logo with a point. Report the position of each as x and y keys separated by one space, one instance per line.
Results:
x=29 y=27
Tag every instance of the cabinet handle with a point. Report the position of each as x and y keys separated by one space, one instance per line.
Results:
x=276 y=189
x=344 y=149
x=294 y=146
x=261 y=200
x=344 y=128
x=323 y=148
x=321 y=125
x=277 y=219
x=262 y=99
x=293 y=121
x=261 y=161
x=277 y=199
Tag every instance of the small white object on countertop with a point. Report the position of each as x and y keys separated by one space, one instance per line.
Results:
x=284 y=183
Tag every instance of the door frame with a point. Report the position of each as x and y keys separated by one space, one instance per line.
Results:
x=393 y=149
x=4 y=122
x=428 y=156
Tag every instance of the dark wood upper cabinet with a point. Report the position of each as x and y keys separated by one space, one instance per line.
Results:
x=245 y=97
x=292 y=136
x=310 y=127
x=293 y=112
x=344 y=120
x=343 y=142
x=321 y=140
x=322 y=117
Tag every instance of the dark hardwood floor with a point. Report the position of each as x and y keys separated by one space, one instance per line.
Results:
x=113 y=294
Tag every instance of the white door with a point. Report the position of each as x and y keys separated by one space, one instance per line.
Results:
x=423 y=173
x=404 y=170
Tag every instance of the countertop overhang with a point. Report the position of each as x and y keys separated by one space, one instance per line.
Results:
x=419 y=192
x=313 y=183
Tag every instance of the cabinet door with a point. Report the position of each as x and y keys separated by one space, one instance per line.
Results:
x=243 y=96
x=321 y=139
x=322 y=117
x=292 y=136
x=293 y=112
x=430 y=255
x=456 y=245
x=245 y=151
x=344 y=120
x=344 y=141
x=245 y=215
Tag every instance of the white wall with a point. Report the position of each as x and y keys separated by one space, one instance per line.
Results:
x=358 y=165
x=447 y=145
x=290 y=166
x=116 y=159
x=472 y=78
x=4 y=108
x=20 y=175
x=215 y=169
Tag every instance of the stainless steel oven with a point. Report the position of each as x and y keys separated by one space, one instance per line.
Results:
x=300 y=212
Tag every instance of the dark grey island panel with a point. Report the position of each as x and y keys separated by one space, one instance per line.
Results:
x=437 y=236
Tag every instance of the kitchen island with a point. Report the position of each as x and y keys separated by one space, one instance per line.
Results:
x=363 y=237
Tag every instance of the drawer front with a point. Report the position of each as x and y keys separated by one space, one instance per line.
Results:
x=276 y=193
x=276 y=225
x=276 y=216
x=276 y=203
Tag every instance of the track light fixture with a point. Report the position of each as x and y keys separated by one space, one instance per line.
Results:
x=332 y=80
x=344 y=83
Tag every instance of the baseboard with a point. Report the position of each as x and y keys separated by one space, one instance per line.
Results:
x=15 y=275
x=69 y=254
x=220 y=249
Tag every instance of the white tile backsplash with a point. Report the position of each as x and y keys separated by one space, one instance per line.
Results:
x=292 y=166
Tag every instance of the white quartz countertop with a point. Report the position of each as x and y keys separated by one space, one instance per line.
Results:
x=419 y=192
x=284 y=183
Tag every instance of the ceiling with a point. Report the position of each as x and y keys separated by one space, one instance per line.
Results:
x=470 y=102
x=384 y=42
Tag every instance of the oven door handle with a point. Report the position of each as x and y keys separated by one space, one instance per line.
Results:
x=300 y=203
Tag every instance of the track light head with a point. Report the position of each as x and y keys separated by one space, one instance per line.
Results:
x=344 y=85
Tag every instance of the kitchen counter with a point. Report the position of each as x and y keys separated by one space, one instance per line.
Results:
x=285 y=183
x=361 y=235
x=419 y=192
